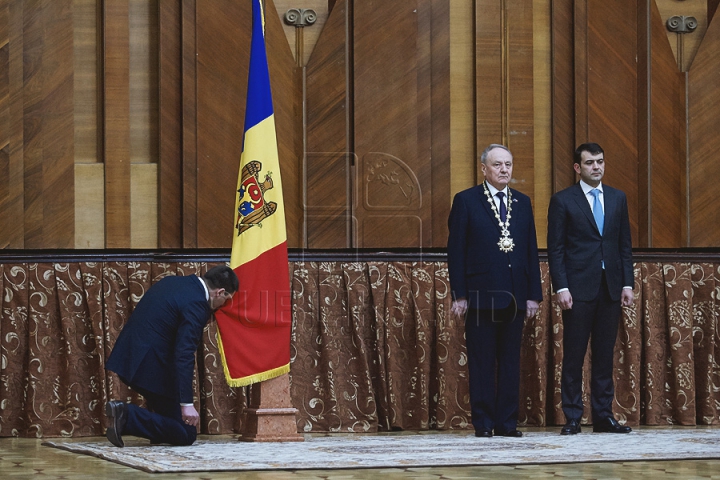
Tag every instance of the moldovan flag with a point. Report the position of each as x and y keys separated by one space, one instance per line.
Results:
x=254 y=330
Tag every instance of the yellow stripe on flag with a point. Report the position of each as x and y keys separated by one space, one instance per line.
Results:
x=261 y=146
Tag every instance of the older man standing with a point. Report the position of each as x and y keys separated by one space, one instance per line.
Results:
x=495 y=279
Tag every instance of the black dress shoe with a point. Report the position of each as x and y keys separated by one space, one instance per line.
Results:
x=117 y=413
x=483 y=433
x=572 y=427
x=514 y=433
x=610 y=425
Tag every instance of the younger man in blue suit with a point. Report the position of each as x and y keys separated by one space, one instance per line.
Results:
x=495 y=278
x=155 y=355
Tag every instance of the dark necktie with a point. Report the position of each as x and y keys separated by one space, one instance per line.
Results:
x=503 y=208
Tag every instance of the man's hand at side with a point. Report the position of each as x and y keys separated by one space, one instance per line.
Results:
x=190 y=416
x=459 y=307
x=627 y=297
x=564 y=299
x=531 y=308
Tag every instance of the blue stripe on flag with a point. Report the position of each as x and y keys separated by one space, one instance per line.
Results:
x=259 y=99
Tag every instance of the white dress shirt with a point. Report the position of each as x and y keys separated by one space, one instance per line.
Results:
x=493 y=193
x=591 y=201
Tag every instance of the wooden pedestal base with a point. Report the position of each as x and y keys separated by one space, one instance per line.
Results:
x=271 y=416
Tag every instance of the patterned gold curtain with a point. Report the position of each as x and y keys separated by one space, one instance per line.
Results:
x=373 y=349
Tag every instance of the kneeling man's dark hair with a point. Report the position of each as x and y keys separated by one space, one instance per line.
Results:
x=222 y=276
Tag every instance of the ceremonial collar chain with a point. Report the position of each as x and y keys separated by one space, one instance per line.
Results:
x=506 y=242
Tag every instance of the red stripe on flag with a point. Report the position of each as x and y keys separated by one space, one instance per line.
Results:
x=255 y=328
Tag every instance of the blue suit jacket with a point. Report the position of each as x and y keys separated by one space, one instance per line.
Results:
x=487 y=277
x=576 y=250
x=155 y=350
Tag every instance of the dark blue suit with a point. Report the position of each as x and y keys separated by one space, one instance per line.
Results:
x=155 y=355
x=497 y=286
x=576 y=255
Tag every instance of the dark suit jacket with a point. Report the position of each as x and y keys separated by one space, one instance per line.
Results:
x=156 y=348
x=478 y=270
x=576 y=249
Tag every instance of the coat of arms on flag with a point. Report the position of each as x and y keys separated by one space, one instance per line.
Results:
x=252 y=207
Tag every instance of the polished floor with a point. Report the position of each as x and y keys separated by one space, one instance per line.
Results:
x=27 y=458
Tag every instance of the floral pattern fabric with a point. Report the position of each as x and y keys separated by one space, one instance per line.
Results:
x=373 y=348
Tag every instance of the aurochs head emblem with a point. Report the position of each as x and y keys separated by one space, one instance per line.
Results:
x=252 y=207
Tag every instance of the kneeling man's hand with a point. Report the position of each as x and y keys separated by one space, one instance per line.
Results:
x=190 y=416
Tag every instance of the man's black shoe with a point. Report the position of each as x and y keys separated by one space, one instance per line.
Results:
x=515 y=433
x=483 y=433
x=117 y=414
x=572 y=427
x=610 y=425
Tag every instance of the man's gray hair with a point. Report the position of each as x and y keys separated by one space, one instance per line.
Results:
x=492 y=146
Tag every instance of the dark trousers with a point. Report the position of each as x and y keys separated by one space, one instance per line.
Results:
x=493 y=340
x=160 y=422
x=597 y=319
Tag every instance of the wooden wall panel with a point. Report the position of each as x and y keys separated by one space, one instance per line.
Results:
x=116 y=36
x=190 y=127
x=4 y=75
x=143 y=205
x=4 y=118
x=13 y=235
x=425 y=123
x=463 y=155
x=520 y=106
x=47 y=125
x=329 y=158
x=287 y=91
x=223 y=46
x=644 y=106
x=170 y=138
x=712 y=9
x=489 y=76
x=704 y=141
x=563 y=93
x=612 y=94
x=393 y=173
x=504 y=84
x=90 y=205
x=440 y=116
x=87 y=78
x=542 y=112
x=667 y=159
x=143 y=82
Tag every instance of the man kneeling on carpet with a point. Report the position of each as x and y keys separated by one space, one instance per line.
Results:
x=155 y=356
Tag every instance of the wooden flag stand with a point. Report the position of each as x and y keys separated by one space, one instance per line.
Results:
x=271 y=416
